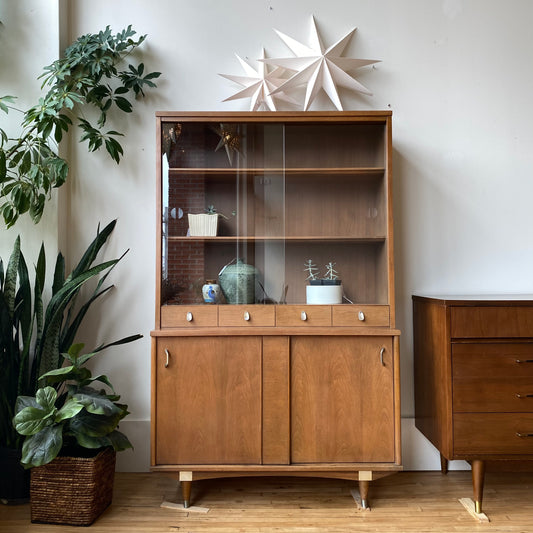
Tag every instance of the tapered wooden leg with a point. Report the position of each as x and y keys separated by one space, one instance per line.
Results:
x=186 y=493
x=443 y=464
x=363 y=491
x=478 y=479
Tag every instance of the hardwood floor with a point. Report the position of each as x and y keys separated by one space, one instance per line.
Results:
x=404 y=502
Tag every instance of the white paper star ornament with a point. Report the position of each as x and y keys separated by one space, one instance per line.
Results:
x=259 y=85
x=319 y=68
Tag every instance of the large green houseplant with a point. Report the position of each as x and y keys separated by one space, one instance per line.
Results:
x=87 y=78
x=34 y=334
x=68 y=413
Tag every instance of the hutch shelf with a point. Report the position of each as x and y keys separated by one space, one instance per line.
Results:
x=271 y=384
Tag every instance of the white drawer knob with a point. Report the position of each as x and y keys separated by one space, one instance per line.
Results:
x=189 y=317
x=246 y=316
x=303 y=316
x=361 y=316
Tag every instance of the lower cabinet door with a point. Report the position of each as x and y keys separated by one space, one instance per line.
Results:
x=342 y=399
x=208 y=400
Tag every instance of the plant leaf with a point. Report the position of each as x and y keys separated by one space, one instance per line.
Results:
x=43 y=447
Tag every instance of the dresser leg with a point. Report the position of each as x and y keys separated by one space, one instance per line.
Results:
x=478 y=479
x=443 y=464
x=186 y=493
x=363 y=492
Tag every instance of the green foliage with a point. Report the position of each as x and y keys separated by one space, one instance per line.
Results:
x=71 y=413
x=87 y=76
x=33 y=335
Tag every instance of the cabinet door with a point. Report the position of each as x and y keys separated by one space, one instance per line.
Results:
x=342 y=397
x=208 y=400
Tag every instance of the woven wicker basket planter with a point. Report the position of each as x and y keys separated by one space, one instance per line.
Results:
x=72 y=490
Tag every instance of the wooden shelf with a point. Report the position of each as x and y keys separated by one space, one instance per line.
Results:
x=322 y=238
x=314 y=171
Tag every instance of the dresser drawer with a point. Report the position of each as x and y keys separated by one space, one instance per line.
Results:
x=492 y=377
x=360 y=315
x=492 y=433
x=246 y=315
x=303 y=315
x=492 y=322
x=177 y=316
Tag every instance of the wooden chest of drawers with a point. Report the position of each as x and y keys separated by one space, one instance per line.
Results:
x=474 y=379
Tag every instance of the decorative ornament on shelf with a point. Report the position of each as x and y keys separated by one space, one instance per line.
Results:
x=259 y=85
x=229 y=139
x=319 y=67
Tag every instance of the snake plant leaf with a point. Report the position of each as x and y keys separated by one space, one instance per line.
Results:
x=92 y=250
x=10 y=282
x=48 y=352
x=43 y=447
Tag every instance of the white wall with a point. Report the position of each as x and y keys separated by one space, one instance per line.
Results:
x=457 y=75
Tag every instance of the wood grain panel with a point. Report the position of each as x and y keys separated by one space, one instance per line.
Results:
x=492 y=322
x=208 y=400
x=276 y=409
x=432 y=366
x=349 y=315
x=492 y=433
x=176 y=316
x=246 y=315
x=291 y=315
x=341 y=400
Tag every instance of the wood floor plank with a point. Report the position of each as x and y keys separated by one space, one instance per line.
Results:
x=406 y=502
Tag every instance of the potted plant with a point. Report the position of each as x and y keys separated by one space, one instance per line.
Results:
x=70 y=423
x=33 y=335
x=205 y=224
x=323 y=290
x=87 y=75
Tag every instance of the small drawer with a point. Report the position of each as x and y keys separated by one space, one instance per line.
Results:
x=492 y=322
x=360 y=315
x=493 y=433
x=178 y=316
x=246 y=315
x=303 y=315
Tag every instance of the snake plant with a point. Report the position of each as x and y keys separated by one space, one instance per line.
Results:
x=33 y=333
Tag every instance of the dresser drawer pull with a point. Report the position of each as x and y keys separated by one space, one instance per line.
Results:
x=524 y=360
x=167 y=353
x=381 y=352
x=246 y=316
x=303 y=316
x=189 y=317
x=524 y=435
x=518 y=395
x=361 y=316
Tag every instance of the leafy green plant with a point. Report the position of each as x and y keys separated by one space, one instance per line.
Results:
x=70 y=414
x=87 y=76
x=33 y=335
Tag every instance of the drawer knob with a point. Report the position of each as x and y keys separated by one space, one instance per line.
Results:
x=518 y=395
x=167 y=353
x=524 y=360
x=524 y=435
x=189 y=317
x=381 y=352
x=303 y=316
x=246 y=316
x=361 y=316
